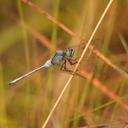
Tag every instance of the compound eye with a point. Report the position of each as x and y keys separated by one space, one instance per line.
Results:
x=72 y=52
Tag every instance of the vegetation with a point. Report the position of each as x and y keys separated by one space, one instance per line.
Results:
x=31 y=31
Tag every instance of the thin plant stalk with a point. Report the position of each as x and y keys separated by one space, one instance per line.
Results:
x=26 y=49
x=76 y=67
x=3 y=113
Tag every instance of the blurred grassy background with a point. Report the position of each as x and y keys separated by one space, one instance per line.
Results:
x=27 y=40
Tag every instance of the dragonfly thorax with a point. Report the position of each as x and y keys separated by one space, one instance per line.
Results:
x=69 y=52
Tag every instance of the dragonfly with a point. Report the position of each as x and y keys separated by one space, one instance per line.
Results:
x=59 y=58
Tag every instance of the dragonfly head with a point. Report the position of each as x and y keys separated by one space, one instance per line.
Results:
x=69 y=52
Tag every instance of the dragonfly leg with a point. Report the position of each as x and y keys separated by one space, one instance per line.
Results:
x=72 y=61
x=71 y=72
x=63 y=66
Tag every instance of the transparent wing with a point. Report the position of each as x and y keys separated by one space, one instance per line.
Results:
x=78 y=49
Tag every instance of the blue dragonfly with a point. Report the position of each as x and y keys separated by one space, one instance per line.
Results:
x=60 y=58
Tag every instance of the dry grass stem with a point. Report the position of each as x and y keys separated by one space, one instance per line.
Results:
x=88 y=89
x=76 y=67
x=71 y=33
x=103 y=88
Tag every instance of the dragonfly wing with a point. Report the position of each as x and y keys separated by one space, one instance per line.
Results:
x=78 y=49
